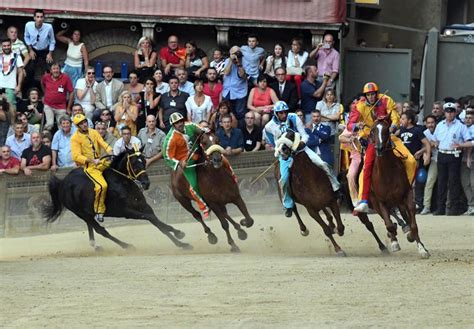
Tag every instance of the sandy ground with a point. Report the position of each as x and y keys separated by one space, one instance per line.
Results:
x=280 y=279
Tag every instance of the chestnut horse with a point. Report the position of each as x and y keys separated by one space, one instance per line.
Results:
x=390 y=187
x=217 y=187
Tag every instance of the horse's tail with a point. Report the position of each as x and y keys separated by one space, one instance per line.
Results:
x=52 y=210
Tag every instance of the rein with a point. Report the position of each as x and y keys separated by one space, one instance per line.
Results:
x=131 y=172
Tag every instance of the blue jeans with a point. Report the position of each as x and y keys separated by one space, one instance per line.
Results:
x=239 y=108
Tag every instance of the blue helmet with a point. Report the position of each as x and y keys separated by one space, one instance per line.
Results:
x=280 y=106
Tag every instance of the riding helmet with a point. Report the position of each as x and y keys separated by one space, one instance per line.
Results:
x=280 y=106
x=370 y=87
x=175 y=117
x=78 y=118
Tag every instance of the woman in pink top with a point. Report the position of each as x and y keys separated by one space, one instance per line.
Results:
x=261 y=100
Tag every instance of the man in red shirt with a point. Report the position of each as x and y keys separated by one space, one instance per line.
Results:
x=213 y=87
x=8 y=164
x=172 y=57
x=58 y=95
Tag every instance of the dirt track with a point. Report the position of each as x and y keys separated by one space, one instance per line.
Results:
x=280 y=279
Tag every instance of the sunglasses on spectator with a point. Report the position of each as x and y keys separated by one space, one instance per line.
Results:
x=38 y=38
x=90 y=73
x=105 y=113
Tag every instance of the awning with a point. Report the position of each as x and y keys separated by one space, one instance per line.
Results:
x=279 y=11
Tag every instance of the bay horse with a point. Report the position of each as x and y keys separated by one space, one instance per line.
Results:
x=126 y=179
x=217 y=187
x=390 y=187
x=311 y=188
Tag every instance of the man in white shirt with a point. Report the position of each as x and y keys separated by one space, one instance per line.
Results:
x=127 y=141
x=12 y=75
x=184 y=84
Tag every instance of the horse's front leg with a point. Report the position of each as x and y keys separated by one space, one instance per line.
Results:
x=303 y=230
x=391 y=227
x=248 y=220
x=412 y=236
x=163 y=227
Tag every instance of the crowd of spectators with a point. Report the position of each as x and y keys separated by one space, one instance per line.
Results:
x=232 y=92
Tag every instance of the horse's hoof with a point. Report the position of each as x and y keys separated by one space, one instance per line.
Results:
x=179 y=234
x=212 y=238
x=340 y=231
x=395 y=246
x=385 y=251
x=425 y=254
x=341 y=253
x=247 y=222
x=410 y=237
x=130 y=247
x=186 y=246
x=235 y=249
x=305 y=232
x=406 y=229
x=242 y=234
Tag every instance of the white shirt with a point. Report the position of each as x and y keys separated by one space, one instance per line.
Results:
x=162 y=88
x=301 y=59
x=81 y=85
x=108 y=94
x=9 y=70
x=198 y=113
x=120 y=146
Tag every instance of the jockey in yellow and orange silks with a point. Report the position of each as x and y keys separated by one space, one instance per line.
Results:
x=373 y=105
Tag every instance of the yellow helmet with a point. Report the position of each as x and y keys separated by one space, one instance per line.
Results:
x=370 y=87
x=78 y=118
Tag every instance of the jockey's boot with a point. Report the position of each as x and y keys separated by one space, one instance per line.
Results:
x=288 y=212
x=99 y=217
x=363 y=206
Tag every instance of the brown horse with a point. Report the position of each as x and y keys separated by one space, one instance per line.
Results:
x=311 y=188
x=217 y=187
x=390 y=187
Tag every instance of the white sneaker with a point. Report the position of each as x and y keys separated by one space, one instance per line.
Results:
x=425 y=211
x=362 y=207
x=99 y=218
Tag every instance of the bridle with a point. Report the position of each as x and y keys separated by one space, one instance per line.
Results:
x=131 y=174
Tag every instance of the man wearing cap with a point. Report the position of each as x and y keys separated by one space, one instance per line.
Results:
x=373 y=105
x=448 y=134
x=179 y=150
x=86 y=145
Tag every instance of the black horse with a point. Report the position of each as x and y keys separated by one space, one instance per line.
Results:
x=126 y=178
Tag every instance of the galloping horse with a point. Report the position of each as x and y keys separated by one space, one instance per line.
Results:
x=217 y=187
x=126 y=178
x=311 y=187
x=390 y=187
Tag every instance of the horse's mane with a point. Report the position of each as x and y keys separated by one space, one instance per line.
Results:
x=116 y=159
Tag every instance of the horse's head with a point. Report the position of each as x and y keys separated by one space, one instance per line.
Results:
x=286 y=144
x=132 y=163
x=380 y=135
x=212 y=150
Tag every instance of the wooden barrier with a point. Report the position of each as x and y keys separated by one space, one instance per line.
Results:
x=22 y=197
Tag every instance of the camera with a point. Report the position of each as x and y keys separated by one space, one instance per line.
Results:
x=326 y=45
x=238 y=54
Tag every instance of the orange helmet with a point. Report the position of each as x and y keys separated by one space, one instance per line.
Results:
x=370 y=87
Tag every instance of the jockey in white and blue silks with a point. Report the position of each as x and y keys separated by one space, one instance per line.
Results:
x=281 y=122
